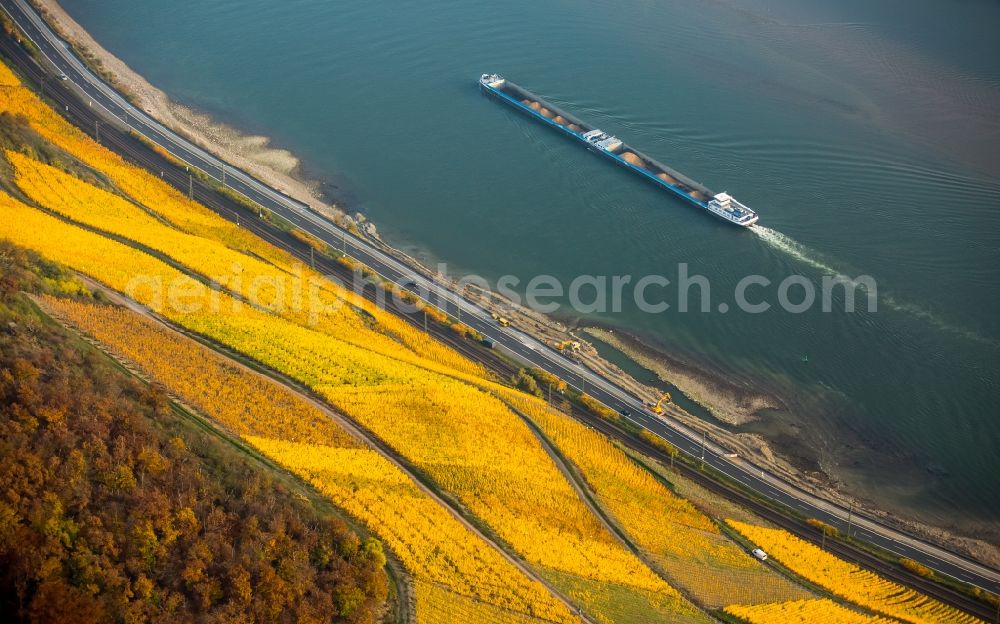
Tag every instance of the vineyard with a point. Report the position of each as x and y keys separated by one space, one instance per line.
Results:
x=296 y=295
x=680 y=539
x=847 y=580
x=803 y=612
x=243 y=401
x=433 y=546
x=7 y=77
x=489 y=459
x=134 y=182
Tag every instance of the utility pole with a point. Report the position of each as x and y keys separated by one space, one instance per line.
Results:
x=191 y=186
x=823 y=542
x=343 y=240
x=97 y=129
x=704 y=435
x=312 y=257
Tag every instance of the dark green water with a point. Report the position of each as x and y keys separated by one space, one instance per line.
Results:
x=866 y=134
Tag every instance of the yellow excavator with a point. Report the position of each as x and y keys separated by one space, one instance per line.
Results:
x=574 y=345
x=501 y=321
x=657 y=408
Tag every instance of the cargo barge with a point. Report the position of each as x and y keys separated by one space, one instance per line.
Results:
x=721 y=205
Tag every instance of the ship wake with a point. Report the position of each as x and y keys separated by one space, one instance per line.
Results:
x=789 y=246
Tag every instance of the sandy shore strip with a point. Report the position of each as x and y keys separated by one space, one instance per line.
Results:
x=277 y=168
x=729 y=403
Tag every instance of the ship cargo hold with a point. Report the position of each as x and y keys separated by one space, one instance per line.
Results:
x=722 y=205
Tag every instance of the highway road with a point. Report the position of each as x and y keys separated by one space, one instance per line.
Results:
x=102 y=98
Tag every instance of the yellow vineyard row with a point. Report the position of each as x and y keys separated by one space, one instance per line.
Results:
x=823 y=611
x=848 y=580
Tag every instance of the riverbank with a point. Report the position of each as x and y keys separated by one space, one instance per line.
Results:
x=277 y=167
x=526 y=326
x=729 y=403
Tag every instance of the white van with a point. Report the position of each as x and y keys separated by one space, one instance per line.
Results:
x=759 y=554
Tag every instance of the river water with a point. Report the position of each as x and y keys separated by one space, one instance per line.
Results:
x=867 y=135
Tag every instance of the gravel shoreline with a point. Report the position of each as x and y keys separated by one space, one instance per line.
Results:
x=254 y=154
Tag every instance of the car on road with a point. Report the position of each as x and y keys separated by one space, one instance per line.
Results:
x=759 y=554
x=625 y=413
x=63 y=76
